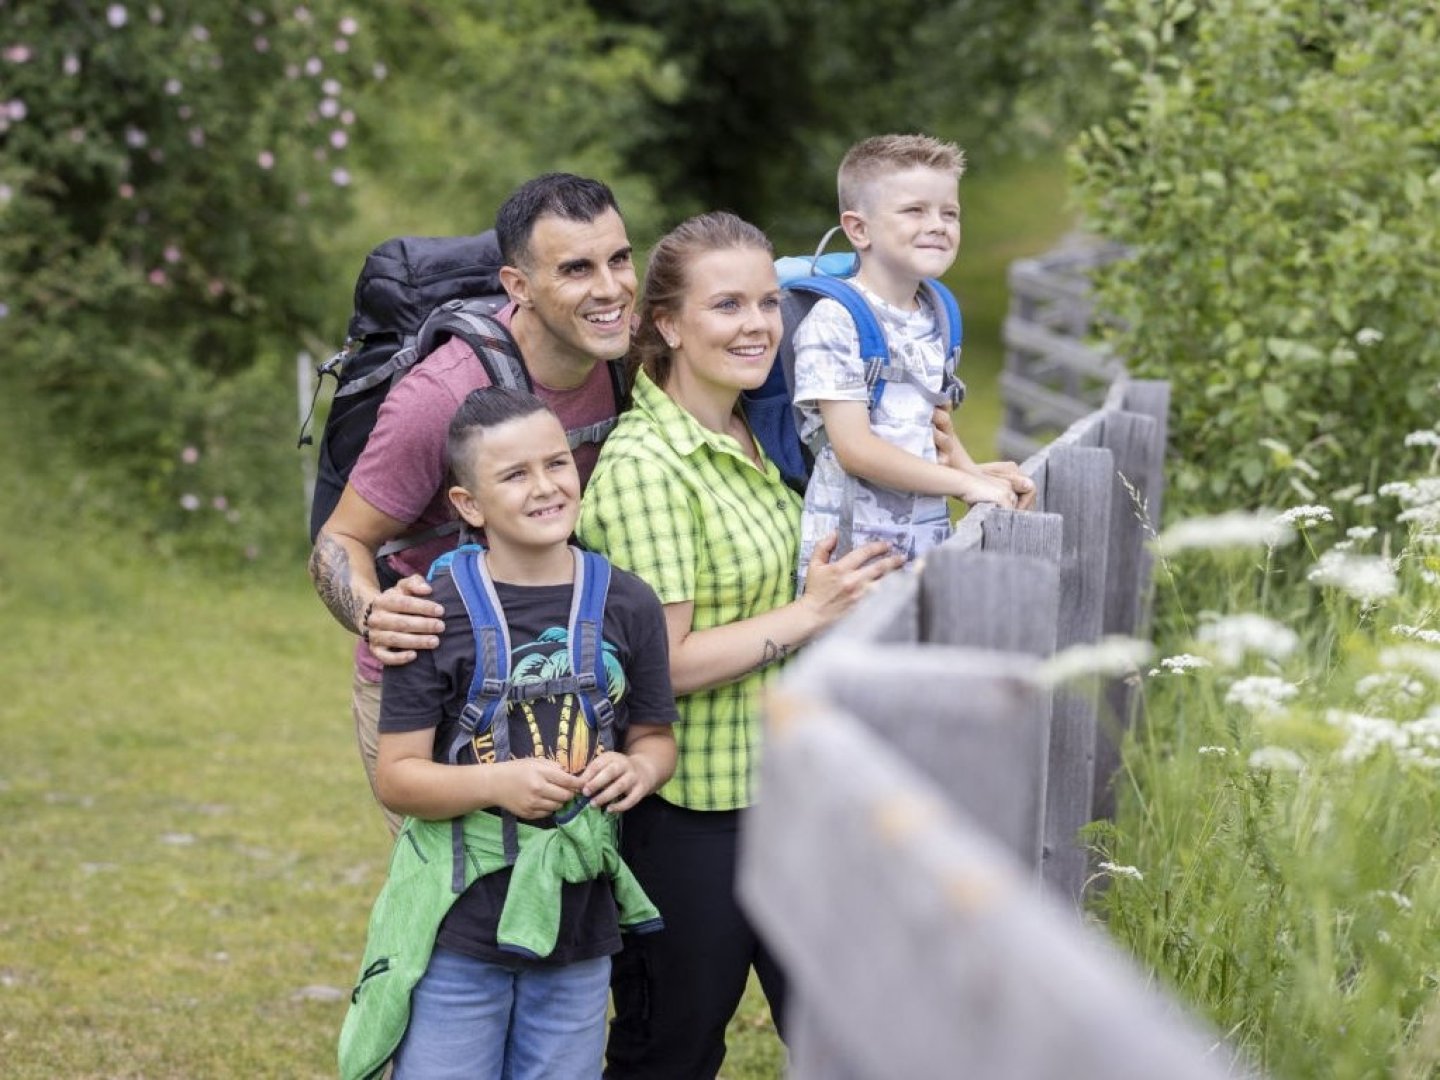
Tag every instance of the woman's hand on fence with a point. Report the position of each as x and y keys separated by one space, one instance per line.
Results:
x=400 y=620
x=833 y=587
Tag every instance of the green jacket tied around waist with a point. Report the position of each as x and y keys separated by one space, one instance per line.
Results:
x=419 y=889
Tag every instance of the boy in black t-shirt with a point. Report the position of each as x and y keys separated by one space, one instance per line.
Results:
x=491 y=999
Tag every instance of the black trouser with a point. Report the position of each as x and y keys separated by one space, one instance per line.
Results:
x=675 y=990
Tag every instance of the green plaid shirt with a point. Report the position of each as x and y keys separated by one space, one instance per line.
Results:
x=688 y=511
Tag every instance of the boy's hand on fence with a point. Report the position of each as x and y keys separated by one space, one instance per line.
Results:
x=983 y=488
x=530 y=787
x=400 y=620
x=832 y=588
x=1021 y=484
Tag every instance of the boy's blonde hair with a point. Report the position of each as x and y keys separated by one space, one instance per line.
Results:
x=872 y=158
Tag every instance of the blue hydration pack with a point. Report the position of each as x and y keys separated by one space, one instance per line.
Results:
x=492 y=690
x=804 y=279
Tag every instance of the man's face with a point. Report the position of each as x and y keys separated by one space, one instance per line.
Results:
x=579 y=282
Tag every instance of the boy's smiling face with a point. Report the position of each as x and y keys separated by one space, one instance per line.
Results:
x=907 y=227
x=521 y=486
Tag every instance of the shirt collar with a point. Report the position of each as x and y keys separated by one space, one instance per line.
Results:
x=679 y=428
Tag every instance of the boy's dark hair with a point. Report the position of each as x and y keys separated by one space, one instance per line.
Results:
x=482 y=409
x=574 y=198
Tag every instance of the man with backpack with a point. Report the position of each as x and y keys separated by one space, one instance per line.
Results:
x=568 y=273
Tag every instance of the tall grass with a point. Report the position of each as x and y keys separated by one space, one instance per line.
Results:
x=1274 y=854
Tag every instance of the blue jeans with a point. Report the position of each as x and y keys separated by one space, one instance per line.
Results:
x=477 y=1020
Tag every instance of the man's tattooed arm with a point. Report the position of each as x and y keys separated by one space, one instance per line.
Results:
x=330 y=570
x=773 y=654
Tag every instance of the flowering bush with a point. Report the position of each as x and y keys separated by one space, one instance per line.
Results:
x=1277 y=177
x=166 y=174
x=1272 y=856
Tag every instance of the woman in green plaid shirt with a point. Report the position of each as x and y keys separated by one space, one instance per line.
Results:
x=684 y=497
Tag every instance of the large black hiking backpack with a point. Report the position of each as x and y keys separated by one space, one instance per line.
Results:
x=413 y=293
x=402 y=282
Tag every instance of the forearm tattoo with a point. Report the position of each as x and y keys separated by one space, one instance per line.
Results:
x=773 y=654
x=330 y=570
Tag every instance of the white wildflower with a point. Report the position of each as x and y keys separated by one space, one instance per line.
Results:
x=1302 y=517
x=1360 y=532
x=1345 y=494
x=1364 y=500
x=1261 y=693
x=1388 y=684
x=1232 y=636
x=1276 y=759
x=1399 y=899
x=1214 y=751
x=1398 y=489
x=1119 y=871
x=1427 y=437
x=1430 y=637
x=1368 y=578
x=1412 y=658
x=1178 y=665
x=1236 y=528
x=1113 y=655
x=1368 y=335
x=1366 y=734
x=1343 y=545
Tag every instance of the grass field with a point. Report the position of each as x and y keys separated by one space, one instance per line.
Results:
x=190 y=849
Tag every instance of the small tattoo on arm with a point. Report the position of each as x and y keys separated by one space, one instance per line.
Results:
x=330 y=570
x=773 y=653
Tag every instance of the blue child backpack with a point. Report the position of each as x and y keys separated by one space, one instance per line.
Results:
x=804 y=279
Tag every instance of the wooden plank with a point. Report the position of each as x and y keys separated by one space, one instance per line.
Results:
x=1068 y=352
x=918 y=946
x=992 y=599
x=973 y=721
x=1041 y=404
x=889 y=613
x=1131 y=438
x=1079 y=485
x=1023 y=533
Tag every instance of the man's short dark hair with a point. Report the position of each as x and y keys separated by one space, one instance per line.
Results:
x=565 y=195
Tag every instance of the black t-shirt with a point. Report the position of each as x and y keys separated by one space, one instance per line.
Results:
x=431 y=691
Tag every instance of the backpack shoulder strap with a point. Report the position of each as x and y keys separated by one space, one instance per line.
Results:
x=487 y=700
x=874 y=352
x=474 y=322
x=587 y=648
x=953 y=328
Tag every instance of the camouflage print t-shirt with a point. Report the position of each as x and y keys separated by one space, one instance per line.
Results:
x=828 y=368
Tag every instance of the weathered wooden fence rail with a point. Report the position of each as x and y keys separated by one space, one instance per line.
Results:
x=920 y=784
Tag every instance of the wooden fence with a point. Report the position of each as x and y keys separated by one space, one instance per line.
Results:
x=913 y=858
x=1052 y=377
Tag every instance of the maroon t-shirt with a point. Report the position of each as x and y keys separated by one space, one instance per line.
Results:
x=402 y=471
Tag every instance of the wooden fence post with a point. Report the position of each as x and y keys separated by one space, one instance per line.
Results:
x=972 y=721
x=1135 y=441
x=916 y=946
x=1079 y=480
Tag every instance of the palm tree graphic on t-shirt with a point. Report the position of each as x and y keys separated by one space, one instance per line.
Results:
x=545 y=658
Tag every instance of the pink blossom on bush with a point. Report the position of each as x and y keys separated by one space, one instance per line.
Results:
x=302 y=15
x=172 y=253
x=16 y=54
x=329 y=107
x=331 y=87
x=348 y=26
x=265 y=159
x=158 y=277
x=314 y=66
x=189 y=502
x=340 y=177
x=220 y=502
x=17 y=110
x=71 y=64
x=190 y=455
x=135 y=138
x=184 y=112
x=173 y=86
x=379 y=71
x=197 y=137
x=126 y=191
x=341 y=45
x=262 y=44
x=347 y=117
x=77 y=135
x=199 y=33
x=338 y=139
x=215 y=287
x=6 y=193
x=116 y=15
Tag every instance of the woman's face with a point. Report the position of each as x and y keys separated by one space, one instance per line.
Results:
x=727 y=329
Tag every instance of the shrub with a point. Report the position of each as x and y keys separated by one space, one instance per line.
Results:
x=168 y=175
x=1276 y=171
